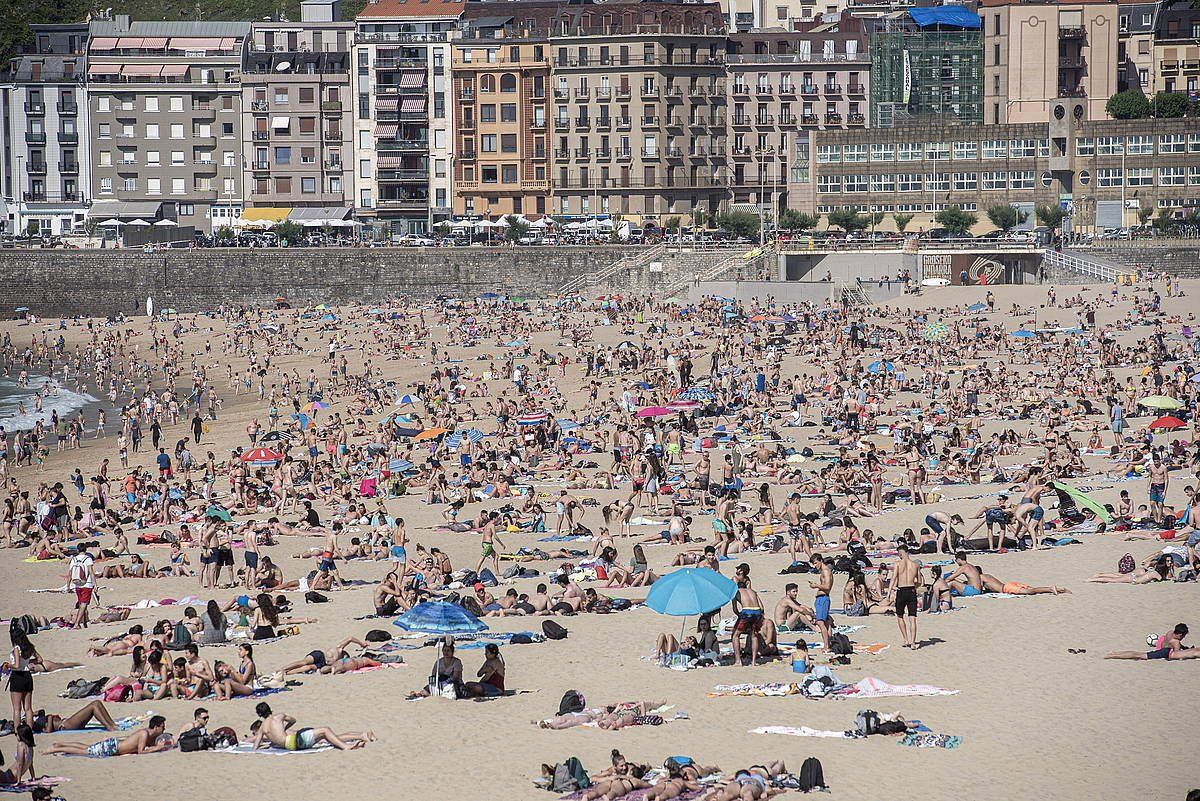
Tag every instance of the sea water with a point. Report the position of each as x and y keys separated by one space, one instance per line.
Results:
x=55 y=398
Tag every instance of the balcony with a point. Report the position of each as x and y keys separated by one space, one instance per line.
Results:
x=415 y=144
x=856 y=119
x=1072 y=32
x=203 y=113
x=673 y=152
x=562 y=123
x=206 y=167
x=467 y=155
x=261 y=136
x=764 y=119
x=833 y=119
x=651 y=153
x=674 y=122
x=36 y=168
x=1072 y=62
x=583 y=152
x=857 y=89
x=466 y=123
x=623 y=93
x=204 y=141
x=604 y=93
x=741 y=89
x=808 y=119
x=259 y=105
x=408 y=176
x=68 y=137
x=787 y=90
x=35 y=108
x=466 y=94
x=832 y=88
x=624 y=123
x=562 y=153
x=674 y=91
x=809 y=89
x=624 y=154
x=1077 y=91
x=603 y=153
x=331 y=106
x=333 y=166
x=261 y=166
x=740 y=121
x=603 y=123
x=68 y=108
x=398 y=63
x=562 y=94
x=35 y=138
x=742 y=152
x=34 y=197
x=68 y=168
x=582 y=94
x=404 y=203
x=763 y=89
x=649 y=93
x=583 y=123
x=787 y=119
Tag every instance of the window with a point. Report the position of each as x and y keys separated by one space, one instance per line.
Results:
x=104 y=131
x=103 y=103
x=1170 y=176
x=1140 y=176
x=1140 y=145
x=883 y=183
x=1194 y=175
x=490 y=175
x=909 y=182
x=829 y=154
x=178 y=187
x=106 y=186
x=308 y=125
x=508 y=112
x=105 y=158
x=937 y=151
x=152 y=103
x=1043 y=148
x=908 y=151
x=307 y=94
x=508 y=173
x=1108 y=177
x=1110 y=146
x=1171 y=143
x=308 y=186
x=364 y=168
x=152 y=158
x=152 y=130
x=508 y=82
x=854 y=154
x=283 y=155
x=880 y=152
x=1085 y=146
x=1194 y=143
x=1021 y=179
x=964 y=181
x=995 y=148
x=130 y=185
x=995 y=180
x=487 y=112
x=829 y=184
x=508 y=143
x=966 y=151
x=487 y=143
x=177 y=130
x=177 y=158
x=854 y=183
x=937 y=182
x=153 y=186
x=176 y=103
x=281 y=95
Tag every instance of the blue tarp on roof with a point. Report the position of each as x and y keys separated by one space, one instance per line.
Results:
x=956 y=16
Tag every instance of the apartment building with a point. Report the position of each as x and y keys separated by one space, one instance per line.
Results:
x=501 y=83
x=403 y=113
x=164 y=104
x=926 y=62
x=47 y=147
x=639 y=111
x=1038 y=52
x=296 y=111
x=783 y=85
x=759 y=15
x=1177 y=50
x=1100 y=171
x=1136 y=66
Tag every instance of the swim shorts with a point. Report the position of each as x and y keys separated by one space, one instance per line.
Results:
x=318 y=658
x=104 y=748
x=1161 y=653
x=906 y=601
x=934 y=525
x=399 y=555
x=968 y=591
x=251 y=559
x=1014 y=587
x=993 y=516
x=1038 y=513
x=821 y=607
x=749 y=620
x=225 y=557
x=83 y=596
x=299 y=740
x=1158 y=493
x=488 y=549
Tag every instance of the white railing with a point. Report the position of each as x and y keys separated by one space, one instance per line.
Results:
x=624 y=264
x=1086 y=267
x=734 y=261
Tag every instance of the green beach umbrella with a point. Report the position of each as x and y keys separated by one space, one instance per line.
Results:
x=1160 y=402
x=1085 y=501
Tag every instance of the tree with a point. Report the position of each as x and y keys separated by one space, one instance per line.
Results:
x=671 y=224
x=1005 y=217
x=1144 y=214
x=902 y=221
x=225 y=233
x=875 y=218
x=955 y=220
x=739 y=223
x=700 y=218
x=1166 y=218
x=1050 y=216
x=1171 y=104
x=848 y=221
x=794 y=220
x=516 y=229
x=288 y=232
x=1128 y=105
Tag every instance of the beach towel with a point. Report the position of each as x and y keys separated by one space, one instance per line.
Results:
x=931 y=740
x=878 y=688
x=801 y=731
x=246 y=748
x=30 y=786
x=765 y=690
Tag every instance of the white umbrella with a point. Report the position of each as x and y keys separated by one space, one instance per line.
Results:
x=575 y=226
x=346 y=223
x=314 y=223
x=540 y=223
x=490 y=224
x=110 y=221
x=462 y=225
x=166 y=223
x=138 y=221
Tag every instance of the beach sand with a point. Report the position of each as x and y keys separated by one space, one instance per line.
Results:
x=1036 y=721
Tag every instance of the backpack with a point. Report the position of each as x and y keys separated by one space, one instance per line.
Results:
x=840 y=644
x=84 y=688
x=569 y=776
x=1126 y=564
x=571 y=701
x=487 y=578
x=377 y=635
x=26 y=624
x=180 y=637
x=314 y=597
x=195 y=740
x=866 y=722
x=812 y=775
x=553 y=631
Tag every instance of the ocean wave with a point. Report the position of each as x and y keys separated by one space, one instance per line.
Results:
x=60 y=399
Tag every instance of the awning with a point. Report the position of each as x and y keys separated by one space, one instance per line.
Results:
x=319 y=213
x=142 y=70
x=267 y=214
x=412 y=105
x=129 y=42
x=103 y=43
x=104 y=69
x=174 y=70
x=387 y=103
x=386 y=130
x=125 y=209
x=281 y=123
x=228 y=43
x=954 y=16
x=194 y=43
x=412 y=80
x=154 y=43
x=390 y=162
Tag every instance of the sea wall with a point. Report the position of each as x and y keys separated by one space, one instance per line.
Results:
x=103 y=282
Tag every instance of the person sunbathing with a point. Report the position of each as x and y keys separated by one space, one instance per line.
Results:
x=751 y=784
x=615 y=716
x=77 y=721
x=673 y=786
x=993 y=584
x=616 y=781
x=1168 y=646
x=1163 y=570
x=272 y=730
x=319 y=661
x=145 y=741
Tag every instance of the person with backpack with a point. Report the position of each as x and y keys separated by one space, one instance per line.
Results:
x=83 y=583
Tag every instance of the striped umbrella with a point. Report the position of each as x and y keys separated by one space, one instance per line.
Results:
x=532 y=419
x=261 y=456
x=468 y=434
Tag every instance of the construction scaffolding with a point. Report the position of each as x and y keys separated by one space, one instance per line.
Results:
x=925 y=71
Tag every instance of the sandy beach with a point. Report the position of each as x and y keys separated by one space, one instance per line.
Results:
x=1036 y=720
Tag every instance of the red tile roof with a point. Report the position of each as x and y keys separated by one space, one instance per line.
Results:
x=412 y=8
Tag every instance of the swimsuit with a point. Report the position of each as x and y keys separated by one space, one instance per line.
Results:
x=104 y=748
x=1160 y=653
x=749 y=619
x=821 y=607
x=299 y=740
x=318 y=658
x=906 y=601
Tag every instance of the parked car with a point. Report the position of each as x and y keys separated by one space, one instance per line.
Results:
x=416 y=241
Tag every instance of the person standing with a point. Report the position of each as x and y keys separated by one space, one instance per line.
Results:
x=83 y=582
x=908 y=578
x=20 y=678
x=197 y=427
x=823 y=585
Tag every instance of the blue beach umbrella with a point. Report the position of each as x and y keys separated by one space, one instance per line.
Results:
x=977 y=307
x=439 y=617
x=567 y=425
x=1022 y=333
x=690 y=591
x=469 y=434
x=881 y=366
x=408 y=400
x=399 y=465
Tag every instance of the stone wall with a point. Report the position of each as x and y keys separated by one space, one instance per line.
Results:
x=1182 y=260
x=103 y=282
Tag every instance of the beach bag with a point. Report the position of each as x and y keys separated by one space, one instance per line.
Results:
x=812 y=775
x=487 y=578
x=520 y=639
x=866 y=722
x=115 y=694
x=570 y=776
x=85 y=688
x=816 y=687
x=377 y=635
x=571 y=701
x=180 y=637
x=26 y=624
x=314 y=597
x=840 y=644
x=195 y=740
x=553 y=631
x=1127 y=564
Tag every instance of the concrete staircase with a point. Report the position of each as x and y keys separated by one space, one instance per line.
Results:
x=733 y=266
x=853 y=295
x=1177 y=256
x=665 y=271
x=1080 y=267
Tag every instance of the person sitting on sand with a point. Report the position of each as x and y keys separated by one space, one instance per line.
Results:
x=272 y=729
x=790 y=614
x=447 y=672
x=145 y=741
x=1168 y=646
